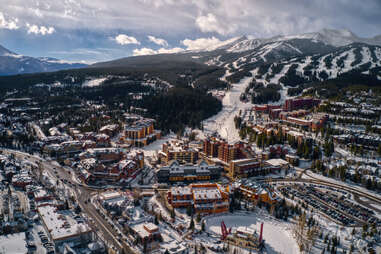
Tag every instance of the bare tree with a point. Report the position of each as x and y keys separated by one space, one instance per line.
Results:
x=299 y=231
x=305 y=236
x=312 y=235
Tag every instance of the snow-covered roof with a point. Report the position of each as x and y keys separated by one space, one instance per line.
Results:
x=181 y=190
x=206 y=193
x=143 y=229
x=61 y=224
x=277 y=162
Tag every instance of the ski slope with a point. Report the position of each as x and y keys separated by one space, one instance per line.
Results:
x=223 y=122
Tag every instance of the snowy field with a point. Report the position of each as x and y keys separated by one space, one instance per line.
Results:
x=14 y=243
x=277 y=234
x=223 y=122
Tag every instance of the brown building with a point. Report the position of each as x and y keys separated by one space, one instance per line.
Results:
x=205 y=198
x=244 y=168
x=314 y=122
x=258 y=193
x=140 y=133
x=110 y=129
x=147 y=234
x=104 y=155
x=177 y=150
x=222 y=150
x=92 y=170
x=292 y=159
x=299 y=103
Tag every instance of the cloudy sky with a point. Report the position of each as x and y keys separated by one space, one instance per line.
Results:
x=96 y=30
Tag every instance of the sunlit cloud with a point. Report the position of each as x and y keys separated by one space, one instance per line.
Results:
x=124 y=39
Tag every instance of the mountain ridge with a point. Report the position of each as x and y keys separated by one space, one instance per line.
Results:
x=289 y=61
x=12 y=63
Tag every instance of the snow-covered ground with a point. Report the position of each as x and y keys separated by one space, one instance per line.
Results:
x=156 y=146
x=93 y=82
x=13 y=243
x=277 y=234
x=223 y=122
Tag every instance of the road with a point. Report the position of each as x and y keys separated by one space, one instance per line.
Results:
x=356 y=192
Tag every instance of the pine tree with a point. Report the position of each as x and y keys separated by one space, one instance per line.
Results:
x=189 y=211
x=173 y=215
x=191 y=224
x=198 y=217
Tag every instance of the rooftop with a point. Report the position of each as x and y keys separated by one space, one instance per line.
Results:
x=61 y=224
x=277 y=162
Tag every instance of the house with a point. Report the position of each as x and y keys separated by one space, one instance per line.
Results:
x=147 y=235
x=109 y=130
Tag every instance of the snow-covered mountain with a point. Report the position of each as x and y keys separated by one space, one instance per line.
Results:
x=12 y=63
x=359 y=57
x=330 y=37
x=312 y=56
x=286 y=60
x=4 y=51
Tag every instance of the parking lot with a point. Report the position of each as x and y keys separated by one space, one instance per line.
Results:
x=334 y=203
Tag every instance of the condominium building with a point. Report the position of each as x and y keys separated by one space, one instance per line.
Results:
x=257 y=193
x=204 y=198
x=175 y=172
x=180 y=151
x=140 y=133
x=243 y=168
x=299 y=103
x=92 y=170
x=104 y=155
x=220 y=149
